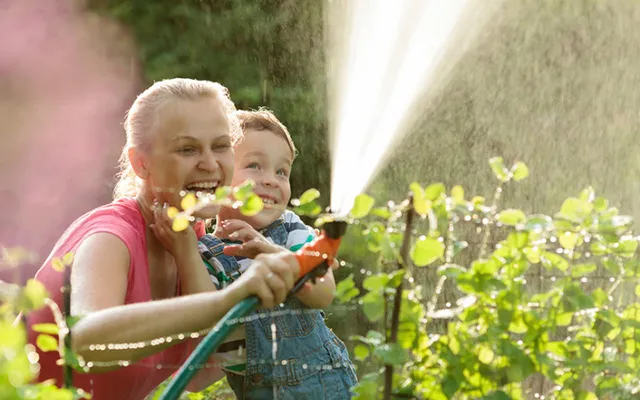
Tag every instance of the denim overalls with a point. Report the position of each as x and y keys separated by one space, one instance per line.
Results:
x=310 y=362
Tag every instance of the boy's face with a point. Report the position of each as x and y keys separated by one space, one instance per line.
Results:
x=266 y=159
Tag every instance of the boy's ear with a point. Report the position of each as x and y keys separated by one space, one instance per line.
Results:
x=138 y=162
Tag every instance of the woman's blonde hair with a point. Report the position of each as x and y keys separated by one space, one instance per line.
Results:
x=141 y=117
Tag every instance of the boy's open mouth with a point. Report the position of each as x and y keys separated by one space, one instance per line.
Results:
x=268 y=200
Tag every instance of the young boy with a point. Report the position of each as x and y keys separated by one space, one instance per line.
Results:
x=290 y=347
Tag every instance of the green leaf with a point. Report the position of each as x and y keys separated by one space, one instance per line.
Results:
x=309 y=196
x=45 y=328
x=498 y=395
x=361 y=206
x=582 y=395
x=519 y=171
x=568 y=240
x=46 y=343
x=252 y=205
x=551 y=260
x=538 y=223
x=310 y=209
x=361 y=352
x=485 y=354
x=421 y=204
x=575 y=209
x=391 y=354
x=581 y=270
x=498 y=168
x=457 y=193
x=375 y=283
x=243 y=191
x=346 y=289
x=381 y=212
x=637 y=290
x=427 y=250
x=373 y=306
x=223 y=192
x=435 y=191
x=511 y=217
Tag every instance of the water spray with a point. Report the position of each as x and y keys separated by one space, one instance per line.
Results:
x=315 y=258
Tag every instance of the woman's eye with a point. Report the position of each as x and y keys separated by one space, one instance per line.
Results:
x=187 y=150
x=222 y=147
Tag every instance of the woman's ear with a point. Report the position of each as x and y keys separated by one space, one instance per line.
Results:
x=138 y=162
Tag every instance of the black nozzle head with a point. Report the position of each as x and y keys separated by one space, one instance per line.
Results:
x=335 y=229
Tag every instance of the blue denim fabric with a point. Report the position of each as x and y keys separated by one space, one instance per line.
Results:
x=313 y=363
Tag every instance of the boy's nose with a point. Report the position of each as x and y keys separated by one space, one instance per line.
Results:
x=269 y=180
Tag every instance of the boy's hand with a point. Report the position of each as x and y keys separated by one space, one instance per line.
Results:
x=253 y=243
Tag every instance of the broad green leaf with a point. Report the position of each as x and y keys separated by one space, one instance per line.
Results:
x=581 y=270
x=309 y=196
x=637 y=290
x=172 y=212
x=391 y=354
x=346 y=289
x=188 y=201
x=539 y=222
x=511 y=217
x=498 y=168
x=361 y=352
x=223 y=192
x=180 y=223
x=421 y=204
x=46 y=343
x=361 y=206
x=568 y=240
x=381 y=212
x=45 y=328
x=35 y=293
x=252 y=205
x=434 y=191
x=497 y=395
x=375 y=283
x=519 y=171
x=575 y=209
x=551 y=260
x=485 y=354
x=244 y=190
x=373 y=306
x=310 y=209
x=457 y=193
x=427 y=250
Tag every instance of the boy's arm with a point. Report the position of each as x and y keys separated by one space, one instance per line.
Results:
x=318 y=295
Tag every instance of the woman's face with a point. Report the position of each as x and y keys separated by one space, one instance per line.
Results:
x=190 y=150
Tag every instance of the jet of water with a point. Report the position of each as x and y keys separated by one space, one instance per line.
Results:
x=386 y=55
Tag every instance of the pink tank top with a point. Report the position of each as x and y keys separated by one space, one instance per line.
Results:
x=123 y=219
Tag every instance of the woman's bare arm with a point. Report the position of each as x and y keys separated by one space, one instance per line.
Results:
x=99 y=282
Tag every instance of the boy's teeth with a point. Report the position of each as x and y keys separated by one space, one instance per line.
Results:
x=268 y=201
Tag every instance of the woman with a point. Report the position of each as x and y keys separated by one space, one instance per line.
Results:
x=127 y=285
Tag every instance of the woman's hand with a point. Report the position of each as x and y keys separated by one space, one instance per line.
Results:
x=178 y=244
x=253 y=243
x=183 y=246
x=270 y=277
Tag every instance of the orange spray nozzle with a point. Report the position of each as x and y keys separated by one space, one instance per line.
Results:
x=323 y=249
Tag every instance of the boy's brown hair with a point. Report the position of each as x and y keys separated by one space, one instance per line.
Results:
x=264 y=120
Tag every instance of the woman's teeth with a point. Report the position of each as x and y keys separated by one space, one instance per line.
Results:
x=208 y=186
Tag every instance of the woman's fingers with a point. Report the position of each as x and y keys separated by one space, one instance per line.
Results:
x=272 y=276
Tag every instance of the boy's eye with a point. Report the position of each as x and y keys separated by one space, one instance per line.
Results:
x=253 y=166
x=283 y=172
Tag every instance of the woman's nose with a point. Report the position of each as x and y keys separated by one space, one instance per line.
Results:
x=208 y=162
